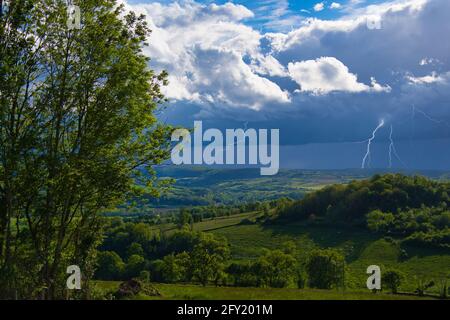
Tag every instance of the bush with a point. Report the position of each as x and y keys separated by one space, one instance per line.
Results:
x=325 y=269
x=135 y=265
x=423 y=285
x=110 y=266
x=275 y=269
x=301 y=280
x=392 y=279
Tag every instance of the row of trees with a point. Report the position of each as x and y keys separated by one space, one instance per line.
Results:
x=138 y=250
x=195 y=257
x=136 y=211
x=324 y=269
x=197 y=214
x=187 y=256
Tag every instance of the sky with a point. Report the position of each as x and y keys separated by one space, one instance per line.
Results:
x=326 y=73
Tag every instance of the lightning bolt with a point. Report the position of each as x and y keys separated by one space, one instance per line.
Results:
x=391 y=147
x=392 y=150
x=415 y=109
x=366 y=158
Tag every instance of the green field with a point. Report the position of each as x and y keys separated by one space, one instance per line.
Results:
x=192 y=292
x=248 y=236
x=361 y=248
x=210 y=224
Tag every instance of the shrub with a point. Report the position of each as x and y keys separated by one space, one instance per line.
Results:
x=392 y=280
x=110 y=266
x=325 y=269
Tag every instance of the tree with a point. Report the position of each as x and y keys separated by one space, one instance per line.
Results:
x=392 y=279
x=380 y=221
x=156 y=267
x=423 y=285
x=443 y=288
x=184 y=219
x=208 y=258
x=301 y=279
x=325 y=268
x=77 y=135
x=135 y=265
x=135 y=249
x=266 y=210
x=276 y=268
x=141 y=233
x=110 y=266
x=172 y=270
x=243 y=274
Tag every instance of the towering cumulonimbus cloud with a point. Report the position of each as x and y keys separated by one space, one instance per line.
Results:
x=226 y=64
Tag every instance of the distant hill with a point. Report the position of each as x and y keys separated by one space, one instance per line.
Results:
x=199 y=185
x=413 y=207
x=207 y=186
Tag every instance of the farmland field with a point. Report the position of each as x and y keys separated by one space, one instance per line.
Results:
x=248 y=242
x=193 y=292
x=252 y=231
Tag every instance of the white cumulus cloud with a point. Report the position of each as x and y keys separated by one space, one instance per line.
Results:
x=429 y=79
x=319 y=6
x=223 y=64
x=203 y=47
x=327 y=74
x=335 y=5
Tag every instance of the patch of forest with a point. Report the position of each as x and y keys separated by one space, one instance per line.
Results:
x=411 y=207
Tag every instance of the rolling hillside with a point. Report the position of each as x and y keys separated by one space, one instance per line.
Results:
x=200 y=186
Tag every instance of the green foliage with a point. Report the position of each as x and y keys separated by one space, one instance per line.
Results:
x=134 y=266
x=380 y=221
x=411 y=207
x=110 y=266
x=78 y=135
x=292 y=245
x=276 y=269
x=144 y=276
x=182 y=256
x=129 y=238
x=184 y=218
x=298 y=240
x=388 y=193
x=444 y=289
x=301 y=279
x=392 y=279
x=423 y=284
x=208 y=258
x=325 y=269
x=174 y=268
x=243 y=274
x=135 y=249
